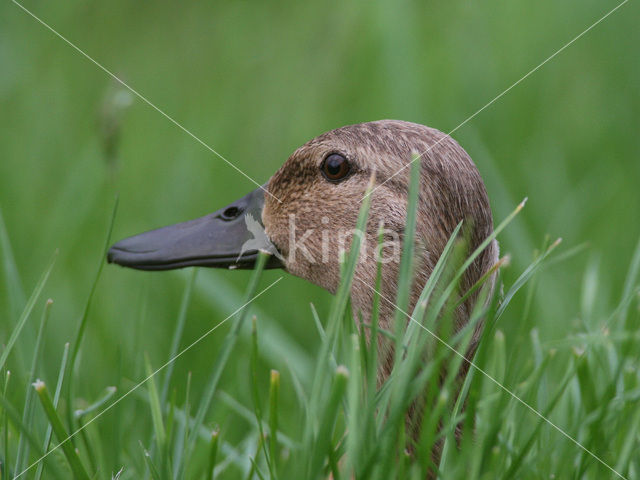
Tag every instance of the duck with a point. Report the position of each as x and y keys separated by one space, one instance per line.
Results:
x=300 y=213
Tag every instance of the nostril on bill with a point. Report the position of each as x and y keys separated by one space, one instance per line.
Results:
x=231 y=213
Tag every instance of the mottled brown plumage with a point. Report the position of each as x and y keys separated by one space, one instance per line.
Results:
x=451 y=190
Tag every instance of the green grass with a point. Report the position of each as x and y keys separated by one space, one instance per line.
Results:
x=571 y=420
x=562 y=333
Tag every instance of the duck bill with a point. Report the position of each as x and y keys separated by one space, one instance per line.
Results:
x=232 y=237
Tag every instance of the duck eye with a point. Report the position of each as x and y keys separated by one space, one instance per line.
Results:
x=335 y=167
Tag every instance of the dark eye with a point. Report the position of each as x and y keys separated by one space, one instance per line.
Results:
x=335 y=167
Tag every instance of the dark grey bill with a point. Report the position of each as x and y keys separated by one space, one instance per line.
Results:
x=223 y=239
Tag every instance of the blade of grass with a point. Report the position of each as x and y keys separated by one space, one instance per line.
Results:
x=91 y=446
x=408 y=378
x=26 y=312
x=109 y=392
x=257 y=404
x=493 y=405
x=156 y=415
x=83 y=319
x=467 y=397
x=405 y=280
x=631 y=281
x=27 y=413
x=517 y=462
x=223 y=356
x=56 y=398
x=336 y=312
x=181 y=443
x=450 y=289
x=430 y=285
x=274 y=395
x=231 y=454
x=322 y=334
x=299 y=390
x=333 y=465
x=170 y=422
x=175 y=341
x=213 y=452
x=82 y=325
x=69 y=451
x=15 y=293
x=177 y=334
x=629 y=444
x=116 y=438
x=405 y=276
x=441 y=420
x=522 y=279
x=249 y=416
x=254 y=470
x=402 y=371
x=356 y=439
x=503 y=262
x=322 y=445
x=155 y=475
x=406 y=365
x=372 y=367
x=5 y=423
x=12 y=415
x=275 y=339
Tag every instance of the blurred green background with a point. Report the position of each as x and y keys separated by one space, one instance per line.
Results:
x=254 y=80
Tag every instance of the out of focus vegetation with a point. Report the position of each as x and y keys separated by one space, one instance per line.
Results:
x=254 y=80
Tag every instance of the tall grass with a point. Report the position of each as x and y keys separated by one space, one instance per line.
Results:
x=561 y=333
x=571 y=410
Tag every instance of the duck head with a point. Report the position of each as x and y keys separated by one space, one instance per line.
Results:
x=307 y=212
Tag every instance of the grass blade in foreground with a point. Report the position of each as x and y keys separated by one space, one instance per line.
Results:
x=213 y=453
x=77 y=468
x=274 y=394
x=177 y=335
x=223 y=355
x=328 y=419
x=27 y=416
x=26 y=312
x=77 y=341
x=16 y=297
x=56 y=397
x=339 y=305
